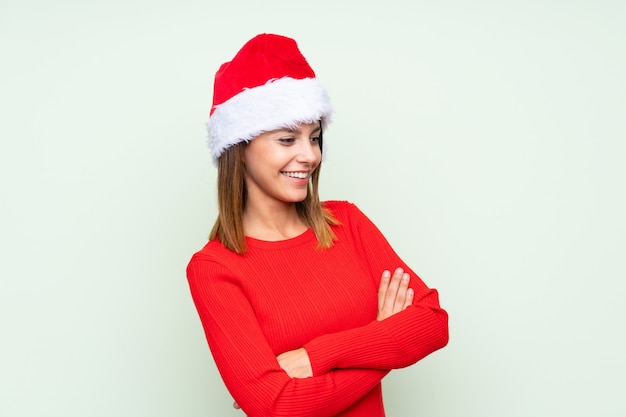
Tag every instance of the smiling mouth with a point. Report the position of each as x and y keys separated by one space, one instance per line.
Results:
x=299 y=174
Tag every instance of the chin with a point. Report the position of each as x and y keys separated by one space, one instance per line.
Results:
x=297 y=199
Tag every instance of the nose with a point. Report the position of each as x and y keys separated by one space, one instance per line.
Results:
x=309 y=152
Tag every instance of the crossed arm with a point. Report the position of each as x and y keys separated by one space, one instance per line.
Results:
x=394 y=296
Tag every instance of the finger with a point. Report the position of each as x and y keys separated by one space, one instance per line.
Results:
x=392 y=290
x=382 y=293
x=402 y=293
x=410 y=294
x=236 y=406
x=382 y=288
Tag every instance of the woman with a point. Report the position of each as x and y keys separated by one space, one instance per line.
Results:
x=304 y=304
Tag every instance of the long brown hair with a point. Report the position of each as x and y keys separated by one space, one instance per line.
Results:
x=232 y=196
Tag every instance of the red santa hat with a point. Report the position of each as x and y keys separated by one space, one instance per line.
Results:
x=268 y=85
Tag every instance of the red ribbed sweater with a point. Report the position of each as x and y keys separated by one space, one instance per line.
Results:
x=288 y=294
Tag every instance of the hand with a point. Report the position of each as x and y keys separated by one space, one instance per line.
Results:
x=394 y=294
x=296 y=363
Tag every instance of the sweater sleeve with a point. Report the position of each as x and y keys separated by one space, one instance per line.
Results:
x=248 y=365
x=395 y=342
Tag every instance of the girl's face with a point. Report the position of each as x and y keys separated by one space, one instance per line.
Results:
x=278 y=164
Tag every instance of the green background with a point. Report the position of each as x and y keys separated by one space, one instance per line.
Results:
x=486 y=139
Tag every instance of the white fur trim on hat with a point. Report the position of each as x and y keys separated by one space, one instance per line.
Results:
x=280 y=103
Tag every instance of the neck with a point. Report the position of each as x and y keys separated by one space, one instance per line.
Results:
x=272 y=223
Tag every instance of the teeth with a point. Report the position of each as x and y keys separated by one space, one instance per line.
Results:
x=301 y=175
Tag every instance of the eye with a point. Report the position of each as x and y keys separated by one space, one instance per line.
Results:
x=286 y=141
x=315 y=139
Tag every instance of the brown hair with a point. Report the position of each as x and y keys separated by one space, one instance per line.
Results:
x=231 y=200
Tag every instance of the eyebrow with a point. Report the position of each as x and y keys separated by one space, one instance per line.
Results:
x=297 y=130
